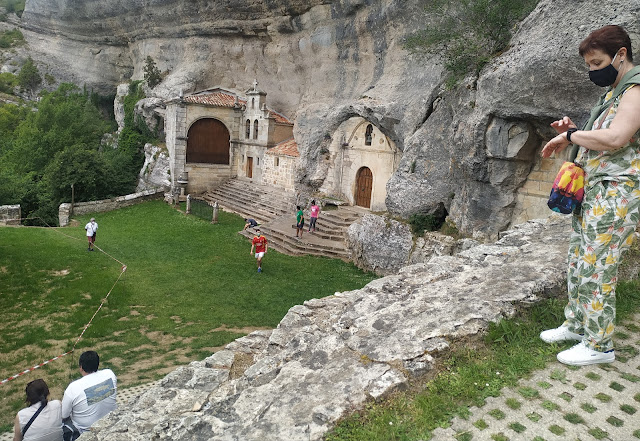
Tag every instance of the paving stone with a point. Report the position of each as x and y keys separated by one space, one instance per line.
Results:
x=597 y=402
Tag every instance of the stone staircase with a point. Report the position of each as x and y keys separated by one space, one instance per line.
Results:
x=247 y=199
x=274 y=208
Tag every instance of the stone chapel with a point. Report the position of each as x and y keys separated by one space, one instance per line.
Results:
x=217 y=134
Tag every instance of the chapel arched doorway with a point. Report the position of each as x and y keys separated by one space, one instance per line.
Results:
x=364 y=184
x=208 y=142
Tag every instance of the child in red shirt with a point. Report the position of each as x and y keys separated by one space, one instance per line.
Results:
x=260 y=244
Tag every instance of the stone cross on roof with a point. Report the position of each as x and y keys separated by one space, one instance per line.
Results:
x=255 y=85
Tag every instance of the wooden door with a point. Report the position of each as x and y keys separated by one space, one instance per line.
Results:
x=249 y=167
x=364 y=184
x=208 y=142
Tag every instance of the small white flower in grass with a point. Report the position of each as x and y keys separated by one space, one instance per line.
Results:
x=391 y=423
x=487 y=384
x=497 y=373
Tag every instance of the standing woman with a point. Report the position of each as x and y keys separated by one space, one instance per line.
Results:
x=42 y=420
x=609 y=151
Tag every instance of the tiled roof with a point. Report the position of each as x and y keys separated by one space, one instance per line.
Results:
x=288 y=148
x=217 y=98
x=223 y=99
x=279 y=117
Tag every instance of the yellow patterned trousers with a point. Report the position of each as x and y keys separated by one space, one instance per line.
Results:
x=602 y=231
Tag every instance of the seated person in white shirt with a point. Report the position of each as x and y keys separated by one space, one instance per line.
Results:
x=91 y=397
x=40 y=421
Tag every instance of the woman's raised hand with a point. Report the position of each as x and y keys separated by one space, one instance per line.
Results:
x=562 y=125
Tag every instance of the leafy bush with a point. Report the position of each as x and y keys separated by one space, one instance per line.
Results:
x=29 y=77
x=135 y=133
x=421 y=222
x=468 y=32
x=7 y=82
x=11 y=38
x=16 y=6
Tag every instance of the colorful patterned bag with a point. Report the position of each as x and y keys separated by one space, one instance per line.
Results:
x=568 y=189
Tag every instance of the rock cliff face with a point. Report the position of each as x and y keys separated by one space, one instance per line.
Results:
x=323 y=61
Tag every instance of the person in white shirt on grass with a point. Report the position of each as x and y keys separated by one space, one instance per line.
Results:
x=92 y=229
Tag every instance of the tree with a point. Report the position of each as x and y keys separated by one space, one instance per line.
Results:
x=151 y=73
x=58 y=143
x=29 y=77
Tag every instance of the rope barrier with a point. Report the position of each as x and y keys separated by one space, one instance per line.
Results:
x=123 y=268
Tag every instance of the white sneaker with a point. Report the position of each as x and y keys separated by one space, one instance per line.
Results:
x=582 y=355
x=561 y=333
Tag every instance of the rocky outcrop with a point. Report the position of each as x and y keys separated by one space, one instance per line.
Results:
x=379 y=244
x=385 y=245
x=467 y=150
x=154 y=173
x=329 y=356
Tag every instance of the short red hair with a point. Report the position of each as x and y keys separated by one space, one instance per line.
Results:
x=609 y=39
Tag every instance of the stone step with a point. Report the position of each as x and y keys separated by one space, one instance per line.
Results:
x=335 y=222
x=287 y=245
x=324 y=234
x=247 y=187
x=269 y=205
x=302 y=244
x=245 y=210
x=252 y=193
x=274 y=209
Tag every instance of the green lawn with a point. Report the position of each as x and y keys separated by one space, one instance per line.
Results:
x=190 y=287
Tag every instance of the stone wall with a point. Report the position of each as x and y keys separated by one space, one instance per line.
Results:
x=10 y=214
x=330 y=356
x=176 y=137
x=80 y=208
x=531 y=201
x=205 y=177
x=243 y=151
x=279 y=170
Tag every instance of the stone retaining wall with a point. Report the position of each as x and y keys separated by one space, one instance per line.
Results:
x=10 y=214
x=64 y=211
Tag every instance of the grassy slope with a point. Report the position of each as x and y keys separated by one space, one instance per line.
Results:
x=189 y=288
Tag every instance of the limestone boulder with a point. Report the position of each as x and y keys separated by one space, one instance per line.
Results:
x=155 y=171
x=379 y=244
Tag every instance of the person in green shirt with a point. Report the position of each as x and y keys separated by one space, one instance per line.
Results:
x=299 y=222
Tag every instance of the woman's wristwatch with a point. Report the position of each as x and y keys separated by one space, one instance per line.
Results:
x=570 y=132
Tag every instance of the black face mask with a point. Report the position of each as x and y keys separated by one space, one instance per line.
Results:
x=606 y=76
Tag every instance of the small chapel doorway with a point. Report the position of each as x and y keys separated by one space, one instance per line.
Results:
x=364 y=184
x=249 y=167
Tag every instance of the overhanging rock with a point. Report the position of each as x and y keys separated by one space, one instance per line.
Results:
x=330 y=355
